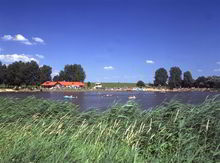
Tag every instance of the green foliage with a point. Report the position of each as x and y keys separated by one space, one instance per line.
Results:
x=73 y=72
x=45 y=73
x=35 y=130
x=15 y=73
x=187 y=79
x=89 y=84
x=200 y=82
x=161 y=77
x=29 y=73
x=212 y=82
x=24 y=73
x=140 y=84
x=56 y=78
x=3 y=73
x=20 y=73
x=175 y=79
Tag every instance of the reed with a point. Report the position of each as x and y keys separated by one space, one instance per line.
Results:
x=37 y=130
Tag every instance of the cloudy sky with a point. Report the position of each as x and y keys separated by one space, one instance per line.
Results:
x=114 y=40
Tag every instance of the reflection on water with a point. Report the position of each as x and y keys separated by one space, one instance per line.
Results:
x=103 y=100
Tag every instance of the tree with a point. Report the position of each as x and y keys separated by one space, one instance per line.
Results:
x=56 y=78
x=89 y=84
x=45 y=73
x=187 y=79
x=3 y=73
x=175 y=79
x=74 y=73
x=212 y=82
x=140 y=84
x=161 y=77
x=14 y=73
x=30 y=73
x=19 y=73
x=62 y=76
x=200 y=82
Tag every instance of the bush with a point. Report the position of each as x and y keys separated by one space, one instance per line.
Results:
x=89 y=84
x=140 y=84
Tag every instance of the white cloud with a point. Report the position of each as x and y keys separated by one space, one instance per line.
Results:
x=38 y=39
x=8 y=58
x=54 y=73
x=20 y=38
x=27 y=43
x=40 y=56
x=109 y=68
x=7 y=37
x=150 y=62
x=217 y=70
x=199 y=70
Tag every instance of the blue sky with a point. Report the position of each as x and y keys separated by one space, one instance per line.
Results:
x=114 y=40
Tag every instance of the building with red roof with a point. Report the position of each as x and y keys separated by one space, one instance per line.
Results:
x=49 y=84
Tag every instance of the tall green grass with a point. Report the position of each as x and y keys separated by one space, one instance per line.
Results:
x=36 y=130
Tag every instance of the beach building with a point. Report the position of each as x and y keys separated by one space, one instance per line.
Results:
x=98 y=86
x=62 y=84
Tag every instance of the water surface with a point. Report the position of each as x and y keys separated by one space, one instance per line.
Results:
x=103 y=100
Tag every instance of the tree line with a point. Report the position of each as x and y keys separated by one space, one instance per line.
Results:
x=175 y=80
x=30 y=73
x=71 y=73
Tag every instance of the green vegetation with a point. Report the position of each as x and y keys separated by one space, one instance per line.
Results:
x=140 y=84
x=35 y=130
x=21 y=73
x=71 y=73
x=116 y=85
x=187 y=80
x=175 y=79
x=208 y=82
x=45 y=73
x=161 y=77
x=29 y=74
x=88 y=84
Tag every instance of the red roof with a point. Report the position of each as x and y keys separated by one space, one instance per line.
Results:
x=78 y=84
x=49 y=83
x=64 y=83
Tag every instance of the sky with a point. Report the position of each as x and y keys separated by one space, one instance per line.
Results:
x=114 y=40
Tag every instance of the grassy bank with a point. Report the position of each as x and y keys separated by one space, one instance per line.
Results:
x=34 y=130
x=116 y=85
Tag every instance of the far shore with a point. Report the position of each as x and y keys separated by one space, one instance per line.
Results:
x=150 y=89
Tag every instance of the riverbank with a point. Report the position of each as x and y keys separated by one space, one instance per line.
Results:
x=19 y=90
x=153 y=89
x=149 y=89
x=34 y=130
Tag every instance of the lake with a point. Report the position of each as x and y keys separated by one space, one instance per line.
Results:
x=103 y=100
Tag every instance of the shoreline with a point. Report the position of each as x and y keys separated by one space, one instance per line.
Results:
x=160 y=90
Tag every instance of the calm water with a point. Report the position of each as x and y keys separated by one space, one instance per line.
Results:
x=103 y=100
